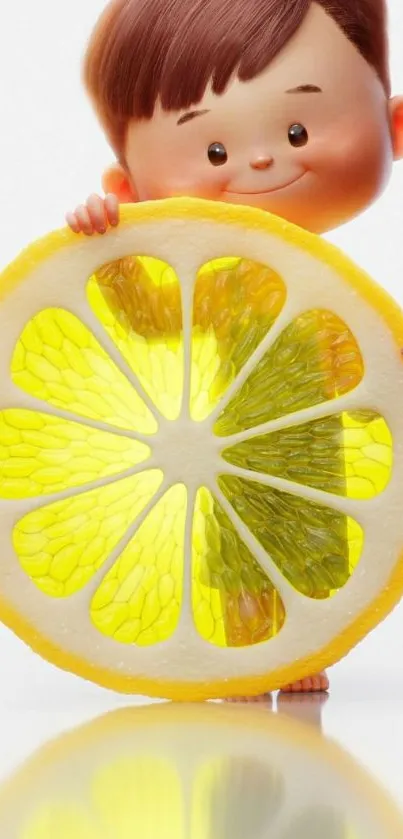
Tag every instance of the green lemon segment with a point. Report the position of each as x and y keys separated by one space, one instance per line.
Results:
x=315 y=548
x=138 y=302
x=58 y=360
x=62 y=545
x=345 y=454
x=315 y=359
x=236 y=301
x=140 y=599
x=234 y=602
x=42 y=454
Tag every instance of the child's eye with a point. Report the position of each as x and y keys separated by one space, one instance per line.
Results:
x=217 y=154
x=297 y=135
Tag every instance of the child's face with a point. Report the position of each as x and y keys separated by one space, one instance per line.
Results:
x=312 y=139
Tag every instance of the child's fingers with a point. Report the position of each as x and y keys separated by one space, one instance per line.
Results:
x=112 y=209
x=84 y=220
x=95 y=215
x=96 y=211
x=73 y=223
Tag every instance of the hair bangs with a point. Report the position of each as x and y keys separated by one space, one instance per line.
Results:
x=214 y=42
x=169 y=52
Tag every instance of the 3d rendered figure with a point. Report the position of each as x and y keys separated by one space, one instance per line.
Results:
x=278 y=104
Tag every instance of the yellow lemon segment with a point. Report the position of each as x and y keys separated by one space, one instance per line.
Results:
x=62 y=545
x=43 y=454
x=140 y=599
x=74 y=373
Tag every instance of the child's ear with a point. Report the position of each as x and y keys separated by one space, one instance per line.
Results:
x=117 y=180
x=396 y=119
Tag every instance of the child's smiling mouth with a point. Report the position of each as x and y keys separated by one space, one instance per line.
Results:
x=269 y=191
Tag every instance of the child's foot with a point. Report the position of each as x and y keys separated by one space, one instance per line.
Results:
x=312 y=684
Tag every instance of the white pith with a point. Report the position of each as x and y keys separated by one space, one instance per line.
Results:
x=310 y=625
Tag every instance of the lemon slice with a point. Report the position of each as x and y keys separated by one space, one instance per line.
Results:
x=196 y=772
x=200 y=451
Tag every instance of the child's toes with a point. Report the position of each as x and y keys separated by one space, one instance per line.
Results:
x=294 y=687
x=311 y=684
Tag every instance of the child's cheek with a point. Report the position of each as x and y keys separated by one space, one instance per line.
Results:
x=346 y=151
x=328 y=151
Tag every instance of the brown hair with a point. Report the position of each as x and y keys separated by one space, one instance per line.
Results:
x=142 y=51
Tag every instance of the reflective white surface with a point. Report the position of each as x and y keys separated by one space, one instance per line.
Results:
x=79 y=762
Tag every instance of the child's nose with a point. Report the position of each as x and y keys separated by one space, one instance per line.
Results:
x=261 y=162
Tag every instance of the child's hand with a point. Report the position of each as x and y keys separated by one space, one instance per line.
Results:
x=95 y=216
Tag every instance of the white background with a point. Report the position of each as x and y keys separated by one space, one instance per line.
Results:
x=52 y=154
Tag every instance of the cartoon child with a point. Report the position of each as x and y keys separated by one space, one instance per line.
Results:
x=279 y=104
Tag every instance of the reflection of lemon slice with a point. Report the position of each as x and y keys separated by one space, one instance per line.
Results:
x=200 y=451
x=198 y=772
